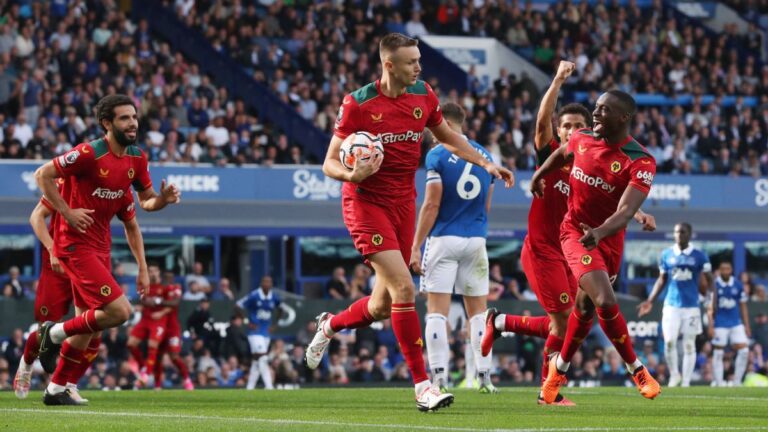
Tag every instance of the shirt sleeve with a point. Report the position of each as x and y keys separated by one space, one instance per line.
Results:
x=435 y=114
x=127 y=208
x=244 y=302
x=348 y=119
x=142 y=181
x=78 y=161
x=642 y=171
x=432 y=165
x=543 y=153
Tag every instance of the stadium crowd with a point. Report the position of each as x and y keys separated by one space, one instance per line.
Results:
x=312 y=54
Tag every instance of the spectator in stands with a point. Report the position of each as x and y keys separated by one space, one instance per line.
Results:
x=12 y=280
x=199 y=278
x=223 y=290
x=338 y=287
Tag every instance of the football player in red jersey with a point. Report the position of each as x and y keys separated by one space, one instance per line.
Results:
x=171 y=343
x=542 y=257
x=152 y=325
x=103 y=171
x=54 y=294
x=610 y=178
x=378 y=200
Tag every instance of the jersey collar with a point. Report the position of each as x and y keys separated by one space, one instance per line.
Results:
x=729 y=282
x=686 y=251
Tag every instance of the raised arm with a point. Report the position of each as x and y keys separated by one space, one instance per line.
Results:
x=150 y=200
x=547 y=107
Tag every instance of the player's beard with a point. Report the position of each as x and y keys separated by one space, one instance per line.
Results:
x=122 y=138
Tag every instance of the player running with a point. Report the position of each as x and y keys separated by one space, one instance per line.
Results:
x=729 y=323
x=455 y=216
x=259 y=306
x=55 y=294
x=378 y=201
x=610 y=177
x=542 y=256
x=103 y=171
x=681 y=314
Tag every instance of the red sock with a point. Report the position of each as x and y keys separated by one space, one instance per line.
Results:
x=531 y=326
x=89 y=355
x=355 y=316
x=159 y=372
x=136 y=354
x=70 y=360
x=151 y=359
x=31 y=348
x=615 y=327
x=181 y=366
x=553 y=344
x=407 y=328
x=82 y=324
x=578 y=329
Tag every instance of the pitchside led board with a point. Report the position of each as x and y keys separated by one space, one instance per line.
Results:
x=300 y=183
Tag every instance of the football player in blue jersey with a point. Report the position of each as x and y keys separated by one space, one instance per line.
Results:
x=680 y=270
x=259 y=306
x=729 y=322
x=454 y=222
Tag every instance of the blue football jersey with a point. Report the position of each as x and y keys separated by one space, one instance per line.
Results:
x=259 y=307
x=729 y=295
x=683 y=269
x=465 y=192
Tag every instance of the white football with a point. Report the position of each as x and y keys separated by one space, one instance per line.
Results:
x=364 y=142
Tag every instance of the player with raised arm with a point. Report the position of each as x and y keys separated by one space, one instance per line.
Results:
x=455 y=216
x=259 y=306
x=103 y=171
x=542 y=256
x=680 y=270
x=378 y=200
x=610 y=178
x=728 y=322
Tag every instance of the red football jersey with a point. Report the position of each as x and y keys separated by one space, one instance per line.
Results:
x=154 y=290
x=600 y=175
x=173 y=292
x=64 y=189
x=101 y=182
x=400 y=124
x=547 y=212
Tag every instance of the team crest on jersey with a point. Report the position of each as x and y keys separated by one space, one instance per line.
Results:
x=131 y=173
x=615 y=166
x=43 y=311
x=586 y=259
x=103 y=172
x=377 y=239
x=105 y=290
x=68 y=159
x=417 y=113
x=377 y=117
x=564 y=298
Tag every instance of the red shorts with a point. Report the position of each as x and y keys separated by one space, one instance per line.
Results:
x=172 y=340
x=149 y=329
x=54 y=295
x=91 y=276
x=375 y=228
x=606 y=256
x=550 y=278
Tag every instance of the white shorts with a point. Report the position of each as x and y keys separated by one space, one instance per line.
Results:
x=676 y=321
x=736 y=335
x=460 y=262
x=259 y=344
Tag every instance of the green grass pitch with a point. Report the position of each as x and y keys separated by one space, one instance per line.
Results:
x=391 y=409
